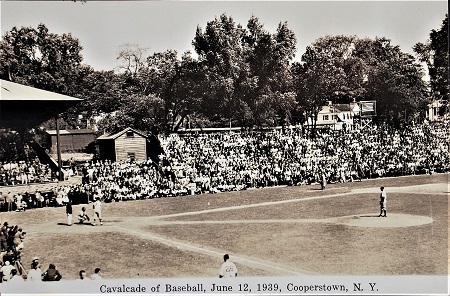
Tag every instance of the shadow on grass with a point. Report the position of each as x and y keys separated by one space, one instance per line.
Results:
x=65 y=224
x=367 y=216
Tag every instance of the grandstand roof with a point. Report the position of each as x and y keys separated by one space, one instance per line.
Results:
x=24 y=107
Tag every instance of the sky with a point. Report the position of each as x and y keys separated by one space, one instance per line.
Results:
x=103 y=26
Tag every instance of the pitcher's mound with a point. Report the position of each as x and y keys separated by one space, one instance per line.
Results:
x=392 y=220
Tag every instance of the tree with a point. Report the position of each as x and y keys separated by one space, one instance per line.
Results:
x=395 y=82
x=246 y=71
x=346 y=68
x=140 y=112
x=220 y=54
x=38 y=58
x=133 y=69
x=268 y=81
x=434 y=52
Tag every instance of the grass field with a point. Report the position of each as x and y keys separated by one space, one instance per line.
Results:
x=267 y=232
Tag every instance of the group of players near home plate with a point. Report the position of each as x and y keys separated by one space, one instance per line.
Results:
x=83 y=216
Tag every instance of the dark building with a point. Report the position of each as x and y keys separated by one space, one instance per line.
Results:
x=71 y=140
x=128 y=144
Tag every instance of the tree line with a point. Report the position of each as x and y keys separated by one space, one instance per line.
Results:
x=241 y=76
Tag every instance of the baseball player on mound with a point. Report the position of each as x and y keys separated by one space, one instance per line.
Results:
x=383 y=197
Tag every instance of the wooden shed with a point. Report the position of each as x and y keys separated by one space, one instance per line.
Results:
x=128 y=144
x=71 y=140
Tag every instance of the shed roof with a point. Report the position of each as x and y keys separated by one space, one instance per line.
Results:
x=116 y=135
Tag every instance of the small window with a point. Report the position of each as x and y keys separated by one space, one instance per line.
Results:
x=130 y=134
x=325 y=117
x=131 y=156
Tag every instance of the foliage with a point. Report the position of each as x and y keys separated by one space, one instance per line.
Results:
x=434 y=52
x=41 y=59
x=346 y=68
x=243 y=76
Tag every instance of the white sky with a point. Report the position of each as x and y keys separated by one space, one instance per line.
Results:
x=103 y=26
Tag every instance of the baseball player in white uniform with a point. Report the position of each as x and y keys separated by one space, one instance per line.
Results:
x=97 y=211
x=228 y=268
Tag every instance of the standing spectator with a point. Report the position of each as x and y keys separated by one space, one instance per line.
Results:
x=96 y=275
x=2 y=201
x=51 y=274
x=3 y=237
x=383 y=197
x=9 y=201
x=228 y=268
x=39 y=199
x=97 y=211
x=69 y=212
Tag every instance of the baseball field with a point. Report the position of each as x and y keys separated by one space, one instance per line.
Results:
x=277 y=231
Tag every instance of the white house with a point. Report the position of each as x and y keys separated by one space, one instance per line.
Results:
x=433 y=111
x=337 y=116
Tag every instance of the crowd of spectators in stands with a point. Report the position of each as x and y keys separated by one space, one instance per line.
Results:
x=24 y=172
x=210 y=163
x=230 y=161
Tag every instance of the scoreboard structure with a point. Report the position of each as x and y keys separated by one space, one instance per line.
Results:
x=368 y=108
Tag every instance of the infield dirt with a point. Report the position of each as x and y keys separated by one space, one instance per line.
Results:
x=267 y=232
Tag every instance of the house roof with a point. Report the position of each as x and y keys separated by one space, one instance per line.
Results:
x=71 y=132
x=116 y=135
x=342 y=107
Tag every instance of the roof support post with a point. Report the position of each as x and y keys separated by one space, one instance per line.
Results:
x=58 y=147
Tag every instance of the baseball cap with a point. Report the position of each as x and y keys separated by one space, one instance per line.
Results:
x=35 y=258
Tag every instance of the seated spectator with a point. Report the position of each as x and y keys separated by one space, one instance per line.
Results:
x=35 y=273
x=6 y=271
x=51 y=274
x=15 y=277
x=96 y=275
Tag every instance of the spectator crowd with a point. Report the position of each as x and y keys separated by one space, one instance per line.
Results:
x=24 y=172
x=230 y=161
x=211 y=163
x=11 y=268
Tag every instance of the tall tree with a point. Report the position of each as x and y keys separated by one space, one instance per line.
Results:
x=434 y=52
x=346 y=68
x=247 y=71
x=268 y=79
x=220 y=53
x=38 y=58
